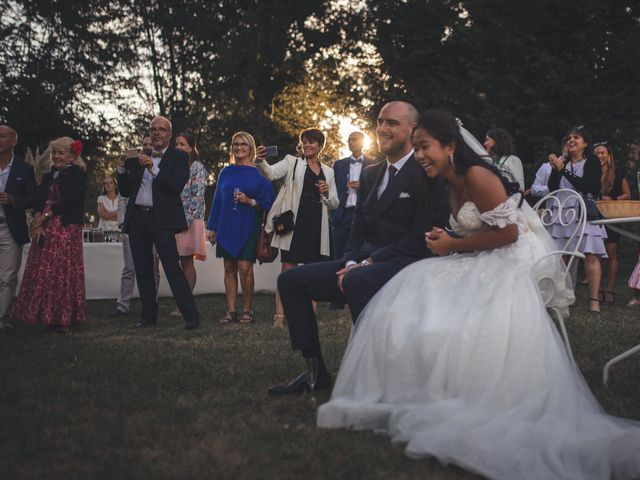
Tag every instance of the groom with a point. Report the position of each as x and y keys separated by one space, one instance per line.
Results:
x=396 y=205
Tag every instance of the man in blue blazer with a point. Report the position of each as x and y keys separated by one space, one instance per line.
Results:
x=17 y=190
x=347 y=175
x=396 y=205
x=153 y=183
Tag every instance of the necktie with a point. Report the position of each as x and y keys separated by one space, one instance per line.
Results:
x=392 y=172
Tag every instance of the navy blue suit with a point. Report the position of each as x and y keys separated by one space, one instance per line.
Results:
x=389 y=229
x=158 y=226
x=21 y=184
x=341 y=218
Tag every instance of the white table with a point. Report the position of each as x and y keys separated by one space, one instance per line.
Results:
x=103 y=266
x=614 y=224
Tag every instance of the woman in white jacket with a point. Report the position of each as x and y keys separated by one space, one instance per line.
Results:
x=309 y=191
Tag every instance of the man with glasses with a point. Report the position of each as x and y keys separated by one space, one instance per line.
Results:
x=153 y=216
x=17 y=188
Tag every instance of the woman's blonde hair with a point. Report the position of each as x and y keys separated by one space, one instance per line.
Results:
x=65 y=142
x=247 y=137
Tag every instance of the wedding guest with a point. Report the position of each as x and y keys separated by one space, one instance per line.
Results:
x=347 y=174
x=128 y=275
x=108 y=205
x=634 y=285
x=53 y=289
x=192 y=242
x=17 y=189
x=499 y=144
x=613 y=186
x=234 y=223
x=581 y=172
x=153 y=217
x=309 y=192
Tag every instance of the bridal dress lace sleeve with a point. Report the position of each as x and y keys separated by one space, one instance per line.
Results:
x=457 y=358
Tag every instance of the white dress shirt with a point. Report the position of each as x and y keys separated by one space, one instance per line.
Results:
x=540 y=188
x=4 y=176
x=145 y=194
x=355 y=168
x=385 y=179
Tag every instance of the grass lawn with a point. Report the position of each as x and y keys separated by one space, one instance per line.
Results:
x=107 y=402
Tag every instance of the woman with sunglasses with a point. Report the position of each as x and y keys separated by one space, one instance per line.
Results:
x=579 y=170
x=614 y=186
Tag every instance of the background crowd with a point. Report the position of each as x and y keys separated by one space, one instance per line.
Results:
x=321 y=202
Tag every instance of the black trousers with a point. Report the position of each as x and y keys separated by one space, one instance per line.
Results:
x=143 y=234
x=318 y=281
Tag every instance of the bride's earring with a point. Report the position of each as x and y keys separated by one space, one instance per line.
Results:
x=451 y=160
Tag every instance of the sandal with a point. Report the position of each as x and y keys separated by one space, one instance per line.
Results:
x=278 y=321
x=611 y=295
x=634 y=302
x=595 y=309
x=247 y=317
x=230 y=317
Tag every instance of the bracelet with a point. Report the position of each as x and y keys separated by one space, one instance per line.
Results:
x=364 y=263
x=253 y=202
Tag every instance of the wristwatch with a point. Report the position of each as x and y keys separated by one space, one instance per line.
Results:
x=365 y=262
x=253 y=202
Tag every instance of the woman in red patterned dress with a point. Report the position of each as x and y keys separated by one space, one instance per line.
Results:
x=53 y=290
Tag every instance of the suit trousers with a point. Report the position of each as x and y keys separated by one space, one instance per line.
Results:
x=10 y=260
x=128 y=276
x=144 y=233
x=318 y=281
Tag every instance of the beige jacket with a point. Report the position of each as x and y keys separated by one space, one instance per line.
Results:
x=289 y=198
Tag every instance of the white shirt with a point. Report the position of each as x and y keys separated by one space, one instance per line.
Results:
x=540 y=188
x=355 y=168
x=145 y=194
x=399 y=164
x=4 y=176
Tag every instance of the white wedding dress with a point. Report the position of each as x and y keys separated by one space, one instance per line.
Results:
x=457 y=357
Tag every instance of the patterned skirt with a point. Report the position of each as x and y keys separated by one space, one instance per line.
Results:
x=53 y=290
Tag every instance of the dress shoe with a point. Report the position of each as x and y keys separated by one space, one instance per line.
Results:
x=136 y=325
x=6 y=327
x=118 y=313
x=192 y=326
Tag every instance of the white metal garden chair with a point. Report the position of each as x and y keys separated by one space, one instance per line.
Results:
x=565 y=207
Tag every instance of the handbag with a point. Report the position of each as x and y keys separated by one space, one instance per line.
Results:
x=265 y=253
x=590 y=206
x=284 y=223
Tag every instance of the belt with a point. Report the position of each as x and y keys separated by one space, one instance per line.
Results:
x=3 y=220
x=143 y=208
x=350 y=209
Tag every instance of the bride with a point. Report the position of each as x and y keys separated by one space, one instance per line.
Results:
x=457 y=357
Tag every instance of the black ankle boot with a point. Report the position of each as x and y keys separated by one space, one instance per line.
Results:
x=315 y=378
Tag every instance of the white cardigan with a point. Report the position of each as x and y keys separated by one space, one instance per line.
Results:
x=289 y=198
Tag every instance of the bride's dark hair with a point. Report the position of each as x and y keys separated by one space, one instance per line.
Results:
x=443 y=126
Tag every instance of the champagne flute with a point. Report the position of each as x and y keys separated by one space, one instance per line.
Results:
x=236 y=191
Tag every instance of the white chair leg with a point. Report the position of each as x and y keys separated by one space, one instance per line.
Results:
x=555 y=313
x=622 y=356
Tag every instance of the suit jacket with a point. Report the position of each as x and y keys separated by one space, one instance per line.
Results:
x=392 y=227
x=21 y=184
x=341 y=170
x=166 y=188
x=73 y=188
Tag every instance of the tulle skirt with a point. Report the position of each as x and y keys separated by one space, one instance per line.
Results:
x=457 y=358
